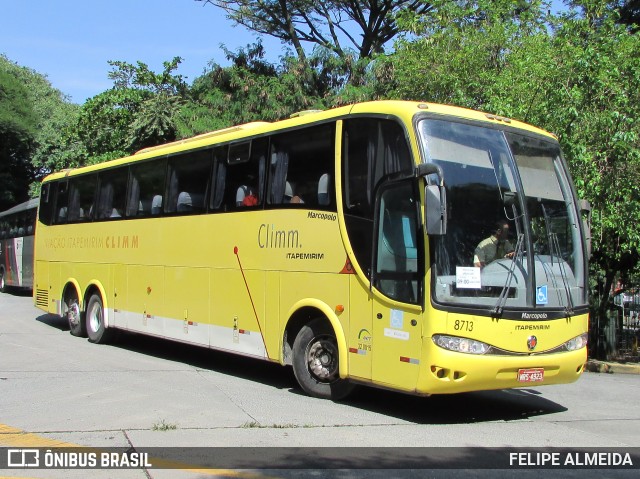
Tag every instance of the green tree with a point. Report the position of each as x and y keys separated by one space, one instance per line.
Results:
x=140 y=110
x=17 y=132
x=577 y=75
x=51 y=146
x=252 y=89
x=366 y=26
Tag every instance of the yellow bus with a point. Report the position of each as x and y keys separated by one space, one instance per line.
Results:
x=344 y=243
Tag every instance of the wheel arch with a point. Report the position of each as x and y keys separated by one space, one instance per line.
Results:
x=72 y=287
x=302 y=313
x=95 y=287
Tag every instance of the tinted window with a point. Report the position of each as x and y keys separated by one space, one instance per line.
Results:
x=188 y=181
x=82 y=192
x=301 y=167
x=146 y=189
x=239 y=181
x=112 y=194
x=372 y=149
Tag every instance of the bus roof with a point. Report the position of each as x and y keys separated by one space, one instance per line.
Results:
x=402 y=109
x=27 y=205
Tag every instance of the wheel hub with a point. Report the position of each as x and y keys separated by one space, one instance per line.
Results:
x=322 y=360
x=73 y=314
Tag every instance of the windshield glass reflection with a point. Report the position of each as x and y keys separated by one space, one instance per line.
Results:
x=495 y=234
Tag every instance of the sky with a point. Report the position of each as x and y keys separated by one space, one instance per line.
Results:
x=70 y=41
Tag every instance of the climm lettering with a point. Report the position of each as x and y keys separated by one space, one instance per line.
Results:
x=124 y=242
x=271 y=237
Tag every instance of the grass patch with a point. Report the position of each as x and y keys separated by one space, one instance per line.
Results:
x=164 y=426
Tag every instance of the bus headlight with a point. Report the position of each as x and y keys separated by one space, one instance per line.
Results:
x=460 y=345
x=577 y=343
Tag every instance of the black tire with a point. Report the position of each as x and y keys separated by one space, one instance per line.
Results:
x=75 y=318
x=315 y=362
x=94 y=316
x=3 y=286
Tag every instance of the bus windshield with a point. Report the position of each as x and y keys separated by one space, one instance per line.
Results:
x=513 y=237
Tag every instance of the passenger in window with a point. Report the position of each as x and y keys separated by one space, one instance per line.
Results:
x=494 y=247
x=246 y=196
x=289 y=197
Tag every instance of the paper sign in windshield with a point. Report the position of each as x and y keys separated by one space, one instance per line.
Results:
x=468 y=277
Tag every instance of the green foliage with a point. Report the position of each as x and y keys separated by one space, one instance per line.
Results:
x=17 y=131
x=577 y=75
x=252 y=89
x=47 y=145
x=142 y=109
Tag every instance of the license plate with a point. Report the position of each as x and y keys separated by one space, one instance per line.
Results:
x=533 y=375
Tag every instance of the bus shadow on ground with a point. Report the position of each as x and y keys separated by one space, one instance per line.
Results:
x=54 y=321
x=481 y=406
x=474 y=407
x=461 y=408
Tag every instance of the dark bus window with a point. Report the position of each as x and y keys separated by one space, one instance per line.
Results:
x=112 y=193
x=188 y=180
x=240 y=183
x=47 y=203
x=61 y=201
x=301 y=167
x=220 y=154
x=82 y=192
x=372 y=148
x=146 y=189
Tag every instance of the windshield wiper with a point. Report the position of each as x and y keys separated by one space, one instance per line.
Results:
x=555 y=251
x=504 y=294
x=555 y=245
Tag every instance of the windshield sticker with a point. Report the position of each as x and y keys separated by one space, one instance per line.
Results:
x=468 y=277
x=397 y=319
x=541 y=295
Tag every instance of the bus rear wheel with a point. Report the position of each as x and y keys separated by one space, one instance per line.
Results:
x=3 y=286
x=96 y=329
x=75 y=318
x=315 y=362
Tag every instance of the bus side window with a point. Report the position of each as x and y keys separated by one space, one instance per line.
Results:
x=219 y=177
x=112 y=194
x=188 y=181
x=82 y=192
x=62 y=200
x=46 y=210
x=244 y=181
x=301 y=166
x=372 y=148
x=146 y=188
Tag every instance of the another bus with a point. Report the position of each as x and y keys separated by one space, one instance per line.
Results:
x=17 y=229
x=339 y=242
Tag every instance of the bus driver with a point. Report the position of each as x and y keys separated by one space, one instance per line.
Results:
x=494 y=247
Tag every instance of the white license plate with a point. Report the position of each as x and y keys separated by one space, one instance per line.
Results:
x=532 y=375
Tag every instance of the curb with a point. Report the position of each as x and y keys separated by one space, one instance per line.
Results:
x=594 y=366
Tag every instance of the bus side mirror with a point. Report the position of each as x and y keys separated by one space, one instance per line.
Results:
x=585 y=213
x=436 y=210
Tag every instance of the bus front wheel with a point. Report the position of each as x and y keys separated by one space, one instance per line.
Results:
x=315 y=362
x=96 y=329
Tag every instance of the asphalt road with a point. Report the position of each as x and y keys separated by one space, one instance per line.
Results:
x=56 y=389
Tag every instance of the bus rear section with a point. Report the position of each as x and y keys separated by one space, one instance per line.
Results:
x=17 y=228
